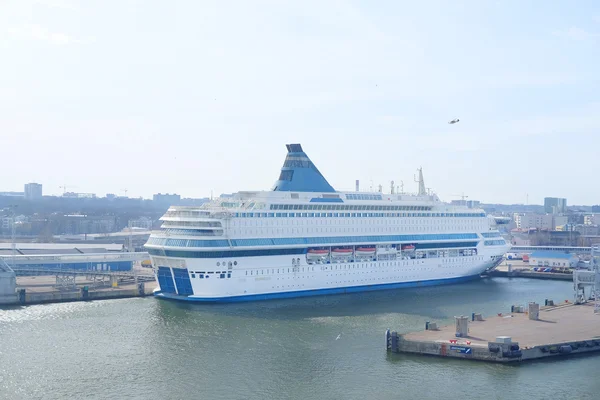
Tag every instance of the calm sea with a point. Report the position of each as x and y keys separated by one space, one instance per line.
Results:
x=284 y=349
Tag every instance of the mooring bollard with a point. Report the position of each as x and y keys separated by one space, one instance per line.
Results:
x=387 y=339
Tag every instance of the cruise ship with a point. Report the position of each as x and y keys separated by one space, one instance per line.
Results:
x=304 y=238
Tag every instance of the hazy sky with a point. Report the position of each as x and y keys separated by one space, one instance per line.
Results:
x=193 y=96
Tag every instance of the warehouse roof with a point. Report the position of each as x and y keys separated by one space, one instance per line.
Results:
x=551 y=254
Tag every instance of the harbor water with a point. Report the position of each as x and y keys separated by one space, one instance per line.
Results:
x=329 y=347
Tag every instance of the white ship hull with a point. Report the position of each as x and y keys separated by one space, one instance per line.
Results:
x=275 y=277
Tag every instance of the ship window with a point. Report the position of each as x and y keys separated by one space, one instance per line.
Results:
x=193 y=275
x=222 y=276
x=229 y=275
x=286 y=175
x=201 y=276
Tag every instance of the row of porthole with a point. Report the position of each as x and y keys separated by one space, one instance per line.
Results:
x=226 y=264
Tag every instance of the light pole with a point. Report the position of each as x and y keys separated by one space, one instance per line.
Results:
x=13 y=236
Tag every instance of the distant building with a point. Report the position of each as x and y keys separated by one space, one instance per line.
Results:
x=587 y=230
x=76 y=224
x=142 y=222
x=473 y=203
x=111 y=196
x=559 y=221
x=554 y=238
x=549 y=222
x=593 y=219
x=520 y=239
x=596 y=209
x=73 y=195
x=194 y=202
x=166 y=199
x=12 y=194
x=468 y=203
x=555 y=205
x=589 y=240
x=33 y=191
x=6 y=223
x=553 y=259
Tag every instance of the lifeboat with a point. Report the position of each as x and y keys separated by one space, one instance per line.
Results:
x=317 y=253
x=408 y=247
x=365 y=251
x=341 y=252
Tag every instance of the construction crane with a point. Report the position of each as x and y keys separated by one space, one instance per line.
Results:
x=462 y=197
x=64 y=188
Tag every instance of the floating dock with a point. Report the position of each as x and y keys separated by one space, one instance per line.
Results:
x=531 y=333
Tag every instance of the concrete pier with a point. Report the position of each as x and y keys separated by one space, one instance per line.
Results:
x=65 y=288
x=539 y=332
x=523 y=273
x=8 y=283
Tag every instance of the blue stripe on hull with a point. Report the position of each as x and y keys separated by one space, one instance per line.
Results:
x=316 y=292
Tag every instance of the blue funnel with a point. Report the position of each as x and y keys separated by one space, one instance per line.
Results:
x=299 y=174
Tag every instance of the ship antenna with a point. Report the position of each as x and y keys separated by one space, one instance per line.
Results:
x=421 y=181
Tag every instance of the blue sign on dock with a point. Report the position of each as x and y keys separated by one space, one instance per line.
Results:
x=461 y=349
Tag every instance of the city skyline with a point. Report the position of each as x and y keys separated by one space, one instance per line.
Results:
x=162 y=197
x=204 y=96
